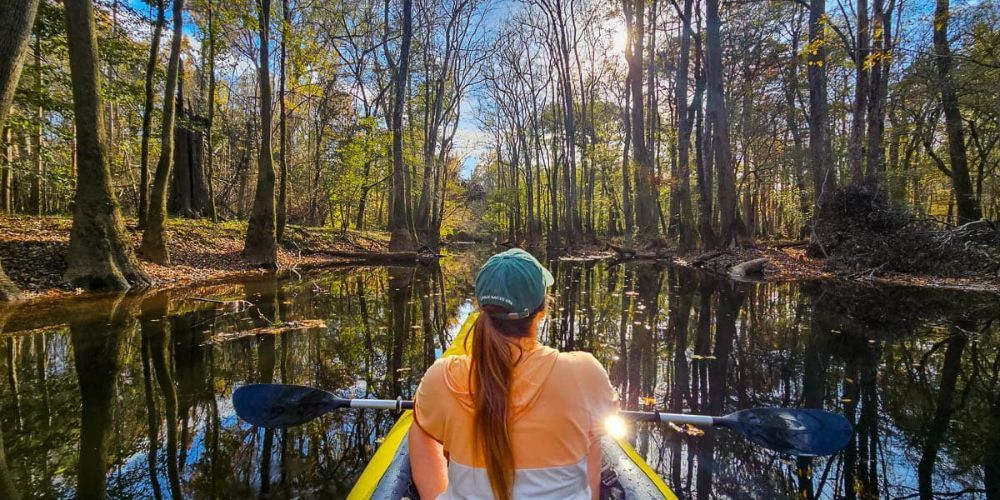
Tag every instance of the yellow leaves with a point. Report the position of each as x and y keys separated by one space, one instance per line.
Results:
x=877 y=56
x=941 y=21
x=688 y=429
x=647 y=401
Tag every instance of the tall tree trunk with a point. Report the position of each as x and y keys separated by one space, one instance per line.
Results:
x=283 y=124
x=154 y=238
x=646 y=214
x=792 y=120
x=855 y=145
x=627 y=196
x=261 y=247
x=717 y=116
x=15 y=28
x=703 y=157
x=824 y=179
x=968 y=205
x=147 y=112
x=99 y=254
x=878 y=90
x=681 y=220
x=36 y=202
x=209 y=142
x=400 y=224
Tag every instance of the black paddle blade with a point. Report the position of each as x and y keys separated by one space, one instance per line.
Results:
x=281 y=405
x=801 y=432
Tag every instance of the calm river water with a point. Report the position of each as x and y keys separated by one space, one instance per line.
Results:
x=129 y=396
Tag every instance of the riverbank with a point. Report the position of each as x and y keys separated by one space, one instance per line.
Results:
x=33 y=252
x=788 y=261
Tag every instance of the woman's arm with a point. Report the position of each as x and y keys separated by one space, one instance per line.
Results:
x=594 y=469
x=428 y=464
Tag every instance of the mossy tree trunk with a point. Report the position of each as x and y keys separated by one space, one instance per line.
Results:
x=99 y=254
x=261 y=247
x=15 y=28
x=154 y=239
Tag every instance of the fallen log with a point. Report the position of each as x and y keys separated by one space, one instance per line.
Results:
x=385 y=256
x=790 y=244
x=633 y=254
x=749 y=268
x=703 y=258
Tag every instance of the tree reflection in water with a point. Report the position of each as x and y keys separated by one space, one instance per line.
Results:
x=129 y=396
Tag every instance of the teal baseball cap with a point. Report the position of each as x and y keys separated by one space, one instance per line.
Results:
x=514 y=280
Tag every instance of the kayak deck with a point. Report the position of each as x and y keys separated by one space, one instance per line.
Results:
x=621 y=476
x=624 y=474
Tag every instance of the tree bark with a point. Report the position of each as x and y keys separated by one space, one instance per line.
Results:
x=261 y=247
x=681 y=220
x=824 y=180
x=286 y=18
x=154 y=239
x=792 y=120
x=400 y=224
x=878 y=90
x=703 y=158
x=15 y=28
x=209 y=142
x=646 y=213
x=36 y=200
x=147 y=112
x=718 y=117
x=855 y=145
x=99 y=254
x=968 y=205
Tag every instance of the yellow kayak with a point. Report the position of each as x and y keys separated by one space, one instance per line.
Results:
x=387 y=477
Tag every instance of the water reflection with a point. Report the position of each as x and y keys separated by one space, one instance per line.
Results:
x=128 y=396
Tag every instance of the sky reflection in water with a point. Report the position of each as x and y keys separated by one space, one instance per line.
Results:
x=130 y=395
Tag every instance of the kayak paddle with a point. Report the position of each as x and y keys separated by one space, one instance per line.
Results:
x=794 y=431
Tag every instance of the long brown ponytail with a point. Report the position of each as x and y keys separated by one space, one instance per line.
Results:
x=492 y=365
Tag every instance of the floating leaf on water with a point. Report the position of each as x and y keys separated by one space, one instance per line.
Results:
x=846 y=400
x=402 y=369
x=691 y=430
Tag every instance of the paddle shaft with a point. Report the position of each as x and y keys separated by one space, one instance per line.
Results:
x=645 y=416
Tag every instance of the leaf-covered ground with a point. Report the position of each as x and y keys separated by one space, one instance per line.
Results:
x=33 y=251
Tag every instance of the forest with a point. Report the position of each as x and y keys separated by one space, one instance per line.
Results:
x=570 y=125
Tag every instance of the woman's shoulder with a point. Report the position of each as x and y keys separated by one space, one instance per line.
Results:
x=450 y=371
x=583 y=362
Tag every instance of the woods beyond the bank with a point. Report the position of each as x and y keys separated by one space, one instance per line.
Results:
x=689 y=124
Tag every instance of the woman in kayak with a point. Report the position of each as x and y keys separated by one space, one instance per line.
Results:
x=515 y=419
